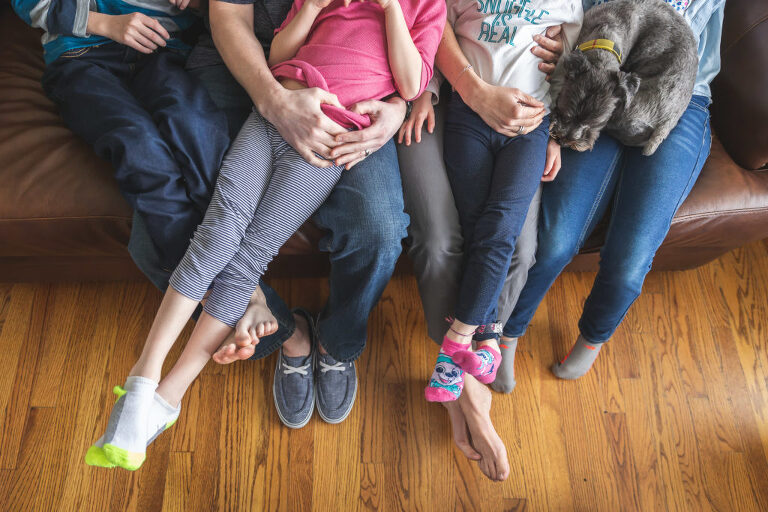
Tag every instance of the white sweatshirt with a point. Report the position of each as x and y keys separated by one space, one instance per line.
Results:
x=497 y=36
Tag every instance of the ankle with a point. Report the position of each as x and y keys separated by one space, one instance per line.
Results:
x=298 y=344
x=460 y=332
x=492 y=343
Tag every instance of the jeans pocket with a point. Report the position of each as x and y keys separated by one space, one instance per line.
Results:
x=75 y=52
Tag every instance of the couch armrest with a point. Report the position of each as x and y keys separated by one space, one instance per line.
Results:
x=740 y=108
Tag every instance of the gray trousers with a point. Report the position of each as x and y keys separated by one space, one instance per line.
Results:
x=435 y=242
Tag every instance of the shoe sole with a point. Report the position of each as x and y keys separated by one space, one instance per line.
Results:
x=352 y=404
x=277 y=407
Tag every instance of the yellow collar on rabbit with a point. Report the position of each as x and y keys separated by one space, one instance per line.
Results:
x=602 y=44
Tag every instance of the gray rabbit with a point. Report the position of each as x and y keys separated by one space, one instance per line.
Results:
x=632 y=73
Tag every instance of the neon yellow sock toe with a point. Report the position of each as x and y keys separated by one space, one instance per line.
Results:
x=123 y=458
x=95 y=456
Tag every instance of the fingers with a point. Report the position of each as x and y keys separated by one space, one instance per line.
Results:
x=418 y=126
x=545 y=55
x=157 y=27
x=152 y=35
x=365 y=107
x=401 y=132
x=546 y=68
x=554 y=31
x=327 y=97
x=530 y=101
x=141 y=43
x=310 y=157
x=353 y=163
x=431 y=121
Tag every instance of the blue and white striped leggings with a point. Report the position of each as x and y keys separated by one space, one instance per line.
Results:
x=264 y=193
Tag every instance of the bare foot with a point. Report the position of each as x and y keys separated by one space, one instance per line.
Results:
x=475 y=404
x=256 y=323
x=460 y=431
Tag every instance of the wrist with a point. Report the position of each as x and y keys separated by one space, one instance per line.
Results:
x=269 y=100
x=469 y=86
x=98 y=23
x=391 y=8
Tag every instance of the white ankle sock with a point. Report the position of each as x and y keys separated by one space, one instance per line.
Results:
x=125 y=440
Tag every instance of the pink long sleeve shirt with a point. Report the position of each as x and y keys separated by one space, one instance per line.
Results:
x=345 y=52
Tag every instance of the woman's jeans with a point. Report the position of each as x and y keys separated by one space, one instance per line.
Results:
x=643 y=193
x=494 y=179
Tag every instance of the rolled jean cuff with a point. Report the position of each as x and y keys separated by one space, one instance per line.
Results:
x=595 y=340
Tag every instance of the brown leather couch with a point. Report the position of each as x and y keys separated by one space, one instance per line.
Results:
x=62 y=217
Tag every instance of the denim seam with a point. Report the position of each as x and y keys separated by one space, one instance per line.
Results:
x=584 y=232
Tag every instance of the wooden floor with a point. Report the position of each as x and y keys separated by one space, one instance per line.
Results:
x=673 y=417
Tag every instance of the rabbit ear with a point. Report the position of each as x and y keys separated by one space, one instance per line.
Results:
x=627 y=85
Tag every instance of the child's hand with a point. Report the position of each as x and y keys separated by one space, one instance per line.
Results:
x=322 y=4
x=383 y=3
x=552 y=167
x=139 y=31
x=422 y=110
x=183 y=4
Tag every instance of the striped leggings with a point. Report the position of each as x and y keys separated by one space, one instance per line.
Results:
x=264 y=193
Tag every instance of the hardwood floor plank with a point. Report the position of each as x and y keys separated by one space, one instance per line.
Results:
x=20 y=341
x=674 y=415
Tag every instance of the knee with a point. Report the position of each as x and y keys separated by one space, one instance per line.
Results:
x=386 y=234
x=626 y=270
x=555 y=250
x=433 y=244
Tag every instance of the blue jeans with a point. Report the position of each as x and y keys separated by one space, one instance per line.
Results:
x=643 y=193
x=494 y=179
x=364 y=222
x=155 y=123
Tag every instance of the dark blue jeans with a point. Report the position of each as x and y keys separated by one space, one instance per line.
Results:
x=643 y=192
x=364 y=223
x=494 y=179
x=155 y=123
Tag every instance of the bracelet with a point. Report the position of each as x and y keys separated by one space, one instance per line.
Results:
x=466 y=68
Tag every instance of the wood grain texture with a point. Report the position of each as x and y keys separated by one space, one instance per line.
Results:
x=674 y=415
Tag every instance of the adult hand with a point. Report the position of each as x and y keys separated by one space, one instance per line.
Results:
x=549 y=49
x=302 y=123
x=509 y=111
x=386 y=117
x=137 y=30
x=473 y=431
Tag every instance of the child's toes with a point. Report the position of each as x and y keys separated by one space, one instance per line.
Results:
x=242 y=335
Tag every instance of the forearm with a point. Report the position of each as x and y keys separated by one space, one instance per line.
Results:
x=98 y=24
x=288 y=41
x=453 y=65
x=232 y=30
x=404 y=58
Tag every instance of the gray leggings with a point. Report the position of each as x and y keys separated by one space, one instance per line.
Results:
x=435 y=241
x=265 y=191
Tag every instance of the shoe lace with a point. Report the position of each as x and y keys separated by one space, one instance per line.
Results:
x=325 y=367
x=302 y=370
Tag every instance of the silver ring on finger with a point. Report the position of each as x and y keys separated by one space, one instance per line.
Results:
x=367 y=152
x=520 y=130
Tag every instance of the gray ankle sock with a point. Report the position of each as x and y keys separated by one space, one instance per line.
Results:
x=579 y=361
x=505 y=378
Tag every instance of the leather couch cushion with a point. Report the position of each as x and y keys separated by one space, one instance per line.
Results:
x=740 y=113
x=59 y=198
